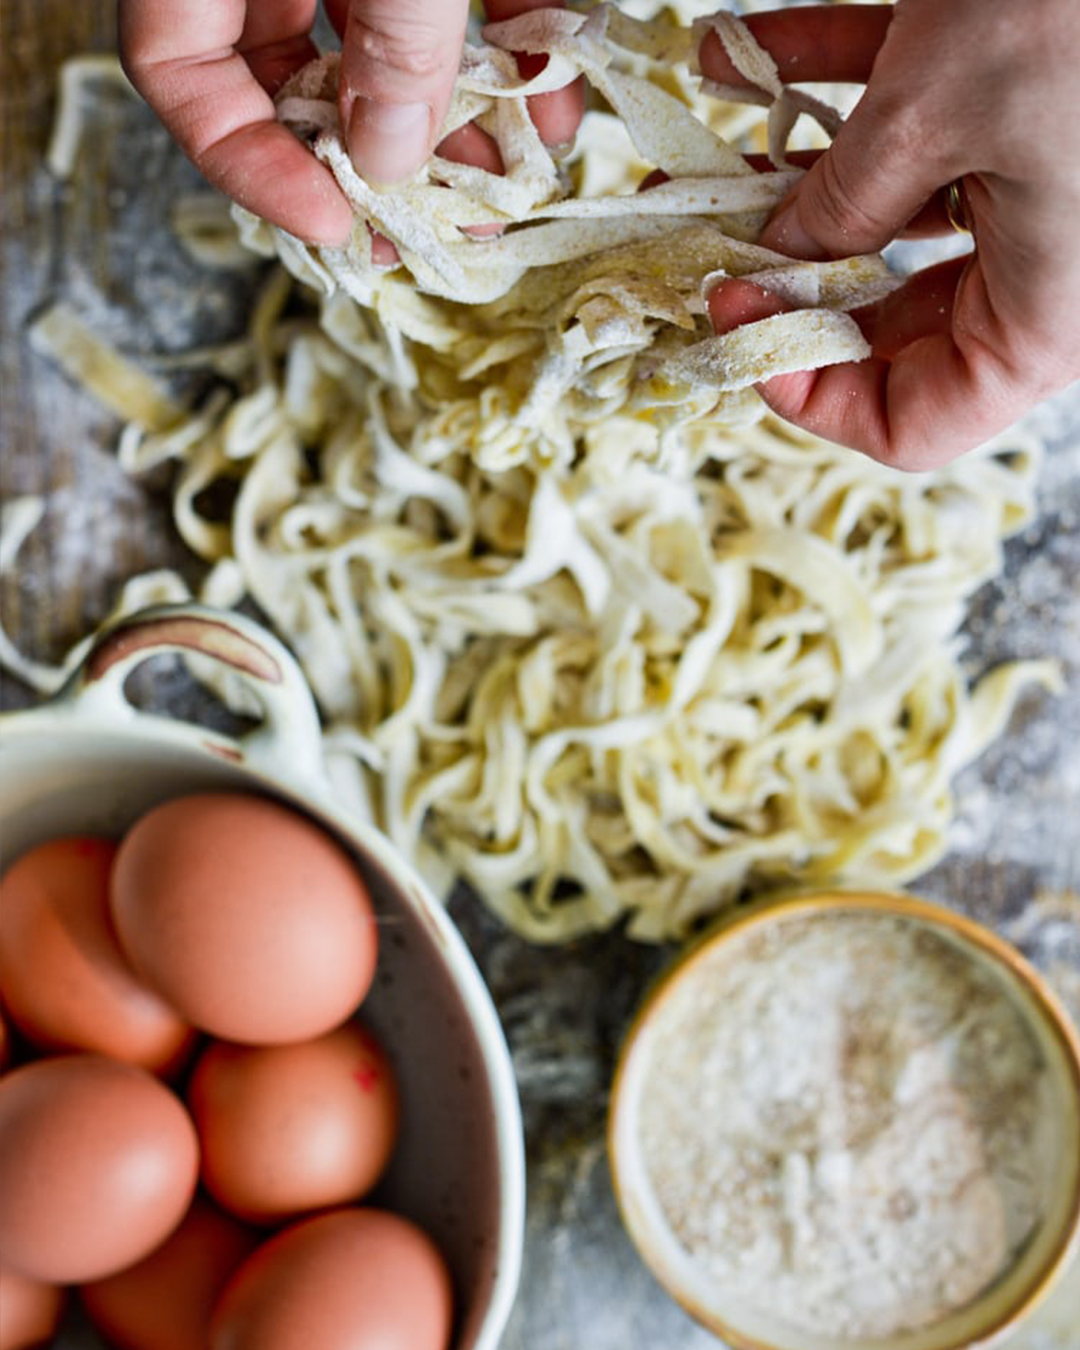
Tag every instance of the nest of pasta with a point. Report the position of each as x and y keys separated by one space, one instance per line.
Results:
x=592 y=285
x=588 y=630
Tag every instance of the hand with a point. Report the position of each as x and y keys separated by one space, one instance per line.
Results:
x=980 y=90
x=209 y=69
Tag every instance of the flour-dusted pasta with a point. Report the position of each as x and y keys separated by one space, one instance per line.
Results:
x=687 y=660
x=586 y=628
x=596 y=271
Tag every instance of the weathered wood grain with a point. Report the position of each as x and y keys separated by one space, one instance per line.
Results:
x=103 y=243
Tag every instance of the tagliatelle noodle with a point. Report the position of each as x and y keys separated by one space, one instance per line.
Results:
x=586 y=631
x=117 y=383
x=79 y=75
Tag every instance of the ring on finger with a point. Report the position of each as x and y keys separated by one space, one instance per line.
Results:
x=956 y=207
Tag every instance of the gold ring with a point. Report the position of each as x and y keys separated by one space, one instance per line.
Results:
x=956 y=207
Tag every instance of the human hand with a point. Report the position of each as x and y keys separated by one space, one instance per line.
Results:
x=981 y=91
x=209 y=69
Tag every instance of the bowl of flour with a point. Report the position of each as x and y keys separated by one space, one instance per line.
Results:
x=850 y=1120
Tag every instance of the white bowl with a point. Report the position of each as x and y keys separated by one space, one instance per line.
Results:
x=88 y=761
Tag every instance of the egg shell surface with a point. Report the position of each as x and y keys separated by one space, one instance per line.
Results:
x=30 y=1311
x=98 y=1164
x=246 y=916
x=164 y=1301
x=290 y=1128
x=350 y=1279
x=66 y=984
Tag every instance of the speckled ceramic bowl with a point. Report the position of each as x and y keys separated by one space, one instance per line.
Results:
x=1041 y=1257
x=90 y=762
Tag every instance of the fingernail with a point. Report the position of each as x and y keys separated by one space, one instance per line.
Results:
x=388 y=141
x=786 y=234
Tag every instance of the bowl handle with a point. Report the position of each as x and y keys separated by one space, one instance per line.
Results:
x=287 y=743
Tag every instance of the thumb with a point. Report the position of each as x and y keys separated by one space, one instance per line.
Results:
x=860 y=194
x=399 y=60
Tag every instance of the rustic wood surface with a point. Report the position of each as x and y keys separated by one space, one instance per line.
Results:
x=103 y=243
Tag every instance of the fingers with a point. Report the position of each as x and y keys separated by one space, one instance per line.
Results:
x=398 y=65
x=932 y=387
x=736 y=302
x=931 y=390
x=557 y=115
x=472 y=145
x=399 y=60
x=185 y=62
x=276 y=40
x=264 y=168
x=468 y=145
x=921 y=307
x=792 y=397
x=930 y=221
x=960 y=350
x=882 y=168
x=859 y=196
x=815 y=43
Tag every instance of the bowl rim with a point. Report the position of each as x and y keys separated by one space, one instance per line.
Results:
x=784 y=906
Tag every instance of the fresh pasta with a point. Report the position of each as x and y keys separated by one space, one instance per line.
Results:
x=694 y=661
x=587 y=629
x=589 y=274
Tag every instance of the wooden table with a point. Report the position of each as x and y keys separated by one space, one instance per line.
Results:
x=103 y=243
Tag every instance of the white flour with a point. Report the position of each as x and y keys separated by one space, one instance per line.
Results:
x=844 y=1130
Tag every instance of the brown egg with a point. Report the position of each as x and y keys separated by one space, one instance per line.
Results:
x=352 y=1279
x=98 y=1164
x=67 y=985
x=30 y=1311
x=5 y=1044
x=294 y=1127
x=164 y=1302
x=245 y=916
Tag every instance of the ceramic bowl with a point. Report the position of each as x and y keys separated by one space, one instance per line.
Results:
x=1040 y=1259
x=88 y=761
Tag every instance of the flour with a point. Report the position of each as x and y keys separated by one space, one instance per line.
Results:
x=845 y=1128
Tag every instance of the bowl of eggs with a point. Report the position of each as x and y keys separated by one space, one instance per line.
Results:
x=254 y=1090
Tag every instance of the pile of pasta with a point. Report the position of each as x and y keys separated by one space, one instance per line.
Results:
x=589 y=630
x=593 y=286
